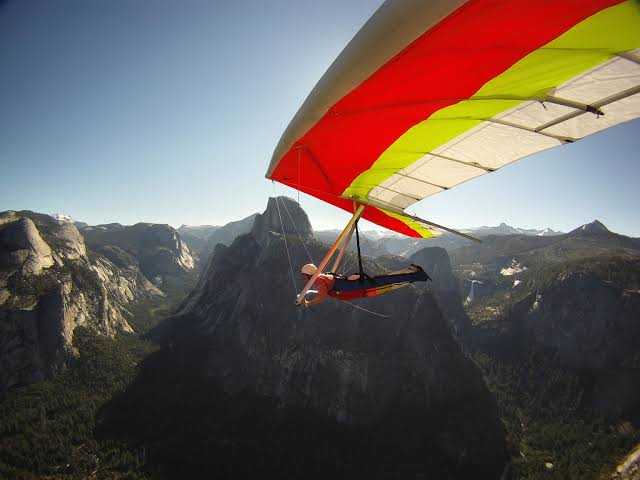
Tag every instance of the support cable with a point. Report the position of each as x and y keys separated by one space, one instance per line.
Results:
x=299 y=175
x=370 y=312
x=361 y=270
x=295 y=227
x=284 y=237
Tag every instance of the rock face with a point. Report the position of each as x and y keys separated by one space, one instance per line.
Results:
x=229 y=232
x=510 y=265
x=445 y=286
x=282 y=215
x=161 y=250
x=198 y=231
x=585 y=318
x=157 y=249
x=203 y=239
x=69 y=242
x=567 y=303
x=22 y=246
x=196 y=238
x=591 y=323
x=435 y=261
x=404 y=372
x=48 y=287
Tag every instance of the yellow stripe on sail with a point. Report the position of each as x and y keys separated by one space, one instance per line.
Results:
x=585 y=46
x=419 y=228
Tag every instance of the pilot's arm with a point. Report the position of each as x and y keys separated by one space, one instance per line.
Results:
x=320 y=294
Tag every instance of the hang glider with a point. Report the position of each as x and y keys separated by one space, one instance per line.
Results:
x=429 y=95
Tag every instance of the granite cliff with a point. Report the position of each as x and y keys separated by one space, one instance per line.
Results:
x=51 y=283
x=157 y=249
x=398 y=373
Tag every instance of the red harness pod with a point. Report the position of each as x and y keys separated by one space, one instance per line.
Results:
x=364 y=292
x=342 y=288
x=324 y=284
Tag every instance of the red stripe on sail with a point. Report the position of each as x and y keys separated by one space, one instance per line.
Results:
x=447 y=64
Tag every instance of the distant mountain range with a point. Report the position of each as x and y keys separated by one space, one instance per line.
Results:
x=374 y=243
x=591 y=239
x=404 y=246
x=202 y=239
x=54 y=278
x=198 y=231
x=499 y=262
x=196 y=238
x=504 y=229
x=571 y=299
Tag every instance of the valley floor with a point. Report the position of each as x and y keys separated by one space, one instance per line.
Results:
x=48 y=430
x=546 y=436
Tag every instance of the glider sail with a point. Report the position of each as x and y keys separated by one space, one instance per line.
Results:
x=432 y=94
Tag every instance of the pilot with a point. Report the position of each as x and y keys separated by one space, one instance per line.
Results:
x=357 y=286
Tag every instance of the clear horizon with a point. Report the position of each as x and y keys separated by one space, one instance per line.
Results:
x=168 y=112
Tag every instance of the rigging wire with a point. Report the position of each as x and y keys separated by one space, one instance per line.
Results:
x=299 y=174
x=360 y=307
x=360 y=269
x=293 y=281
x=295 y=227
x=286 y=246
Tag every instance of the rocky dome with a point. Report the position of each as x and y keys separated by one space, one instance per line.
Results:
x=48 y=287
x=397 y=370
x=69 y=241
x=436 y=262
x=22 y=246
x=282 y=213
x=157 y=248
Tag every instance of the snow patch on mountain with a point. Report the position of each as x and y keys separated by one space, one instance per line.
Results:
x=62 y=218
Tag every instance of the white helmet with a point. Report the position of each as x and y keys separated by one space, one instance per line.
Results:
x=309 y=269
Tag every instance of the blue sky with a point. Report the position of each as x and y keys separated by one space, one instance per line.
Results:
x=168 y=111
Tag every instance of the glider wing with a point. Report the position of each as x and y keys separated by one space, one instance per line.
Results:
x=429 y=95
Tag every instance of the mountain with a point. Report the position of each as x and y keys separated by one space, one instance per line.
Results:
x=510 y=266
x=202 y=239
x=504 y=229
x=445 y=287
x=572 y=299
x=50 y=283
x=283 y=216
x=157 y=249
x=585 y=315
x=595 y=227
x=198 y=231
x=405 y=246
x=196 y=238
x=242 y=383
x=498 y=252
x=266 y=387
x=554 y=329
x=228 y=232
